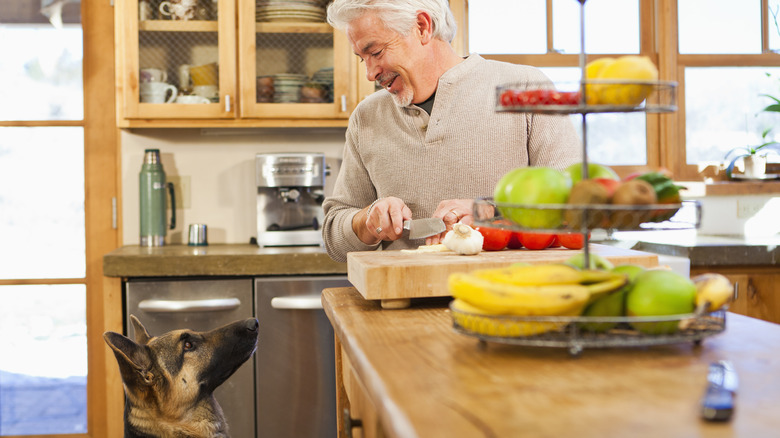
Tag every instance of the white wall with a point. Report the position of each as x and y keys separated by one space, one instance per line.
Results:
x=220 y=166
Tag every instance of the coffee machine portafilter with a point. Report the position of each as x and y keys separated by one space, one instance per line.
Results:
x=290 y=191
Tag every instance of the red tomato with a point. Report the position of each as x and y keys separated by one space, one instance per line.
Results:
x=555 y=243
x=508 y=98
x=572 y=240
x=514 y=241
x=568 y=98
x=537 y=240
x=495 y=239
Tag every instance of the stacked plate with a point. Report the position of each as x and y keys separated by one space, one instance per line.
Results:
x=324 y=76
x=291 y=10
x=287 y=87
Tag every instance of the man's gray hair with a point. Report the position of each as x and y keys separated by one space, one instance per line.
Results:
x=397 y=15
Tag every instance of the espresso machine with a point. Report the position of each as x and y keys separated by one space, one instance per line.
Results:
x=290 y=191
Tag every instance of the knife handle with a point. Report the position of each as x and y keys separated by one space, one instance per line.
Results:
x=718 y=404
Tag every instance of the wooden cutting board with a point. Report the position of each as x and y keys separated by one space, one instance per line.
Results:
x=398 y=275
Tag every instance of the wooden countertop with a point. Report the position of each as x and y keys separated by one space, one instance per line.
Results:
x=428 y=381
x=218 y=260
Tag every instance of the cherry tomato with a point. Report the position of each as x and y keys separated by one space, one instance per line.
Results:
x=572 y=240
x=495 y=239
x=568 y=98
x=537 y=240
x=514 y=241
x=508 y=98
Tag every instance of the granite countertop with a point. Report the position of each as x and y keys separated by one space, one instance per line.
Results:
x=251 y=260
x=703 y=250
x=218 y=260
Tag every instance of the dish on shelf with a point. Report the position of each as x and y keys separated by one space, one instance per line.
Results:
x=575 y=218
x=566 y=97
x=578 y=332
x=768 y=176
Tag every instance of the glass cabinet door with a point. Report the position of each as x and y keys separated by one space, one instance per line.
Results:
x=293 y=64
x=179 y=58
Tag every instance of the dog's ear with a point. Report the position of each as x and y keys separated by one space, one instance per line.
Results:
x=133 y=358
x=141 y=335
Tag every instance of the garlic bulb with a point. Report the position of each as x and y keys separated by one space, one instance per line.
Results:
x=463 y=239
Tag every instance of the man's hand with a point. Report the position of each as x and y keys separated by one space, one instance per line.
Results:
x=451 y=212
x=382 y=220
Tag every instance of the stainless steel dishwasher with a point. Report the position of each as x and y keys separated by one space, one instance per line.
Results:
x=163 y=305
x=295 y=361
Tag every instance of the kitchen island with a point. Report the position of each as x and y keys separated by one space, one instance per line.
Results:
x=406 y=373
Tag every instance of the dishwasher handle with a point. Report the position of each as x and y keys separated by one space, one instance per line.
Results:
x=179 y=306
x=300 y=302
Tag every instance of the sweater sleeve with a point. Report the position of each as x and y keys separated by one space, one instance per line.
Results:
x=352 y=192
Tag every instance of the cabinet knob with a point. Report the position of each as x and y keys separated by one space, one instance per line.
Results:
x=350 y=423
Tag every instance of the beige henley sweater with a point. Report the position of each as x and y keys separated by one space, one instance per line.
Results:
x=460 y=151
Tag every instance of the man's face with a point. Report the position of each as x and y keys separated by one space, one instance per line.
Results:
x=394 y=61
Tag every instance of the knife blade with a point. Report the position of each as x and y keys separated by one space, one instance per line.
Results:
x=421 y=228
x=722 y=383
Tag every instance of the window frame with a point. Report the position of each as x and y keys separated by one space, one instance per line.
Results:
x=102 y=220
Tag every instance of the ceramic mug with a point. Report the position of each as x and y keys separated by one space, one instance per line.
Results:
x=206 y=74
x=191 y=99
x=152 y=75
x=207 y=91
x=179 y=9
x=157 y=92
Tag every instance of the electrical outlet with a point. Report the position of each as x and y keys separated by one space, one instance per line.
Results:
x=748 y=207
x=181 y=189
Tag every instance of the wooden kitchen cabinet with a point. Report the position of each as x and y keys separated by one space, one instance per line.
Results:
x=757 y=290
x=228 y=35
x=357 y=415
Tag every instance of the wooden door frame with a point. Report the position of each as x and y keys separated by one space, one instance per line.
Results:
x=102 y=217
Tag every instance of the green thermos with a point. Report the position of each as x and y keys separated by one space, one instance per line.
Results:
x=154 y=210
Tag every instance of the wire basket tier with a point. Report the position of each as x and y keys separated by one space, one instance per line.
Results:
x=582 y=218
x=582 y=97
x=579 y=332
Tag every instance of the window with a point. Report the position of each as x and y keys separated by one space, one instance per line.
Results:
x=43 y=367
x=518 y=32
x=724 y=58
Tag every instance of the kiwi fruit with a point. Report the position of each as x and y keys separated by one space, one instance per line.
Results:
x=586 y=192
x=632 y=192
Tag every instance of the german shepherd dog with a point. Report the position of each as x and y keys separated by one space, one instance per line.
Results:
x=169 y=379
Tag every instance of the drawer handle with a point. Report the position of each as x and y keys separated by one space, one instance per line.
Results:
x=169 y=306
x=303 y=302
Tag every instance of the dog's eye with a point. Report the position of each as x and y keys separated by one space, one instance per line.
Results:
x=188 y=345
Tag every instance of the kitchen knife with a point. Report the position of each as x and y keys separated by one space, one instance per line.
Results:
x=718 y=401
x=421 y=228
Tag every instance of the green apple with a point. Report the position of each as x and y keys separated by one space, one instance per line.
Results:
x=659 y=292
x=533 y=186
x=594 y=171
x=613 y=304
x=595 y=261
x=631 y=270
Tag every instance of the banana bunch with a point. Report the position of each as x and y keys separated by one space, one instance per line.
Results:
x=713 y=291
x=532 y=290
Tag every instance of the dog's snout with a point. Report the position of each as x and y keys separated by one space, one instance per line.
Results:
x=251 y=324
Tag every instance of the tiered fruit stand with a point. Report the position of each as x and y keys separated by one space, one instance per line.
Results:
x=575 y=333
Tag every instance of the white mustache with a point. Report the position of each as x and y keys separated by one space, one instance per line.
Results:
x=386 y=79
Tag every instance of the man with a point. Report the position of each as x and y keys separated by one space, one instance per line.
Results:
x=431 y=141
